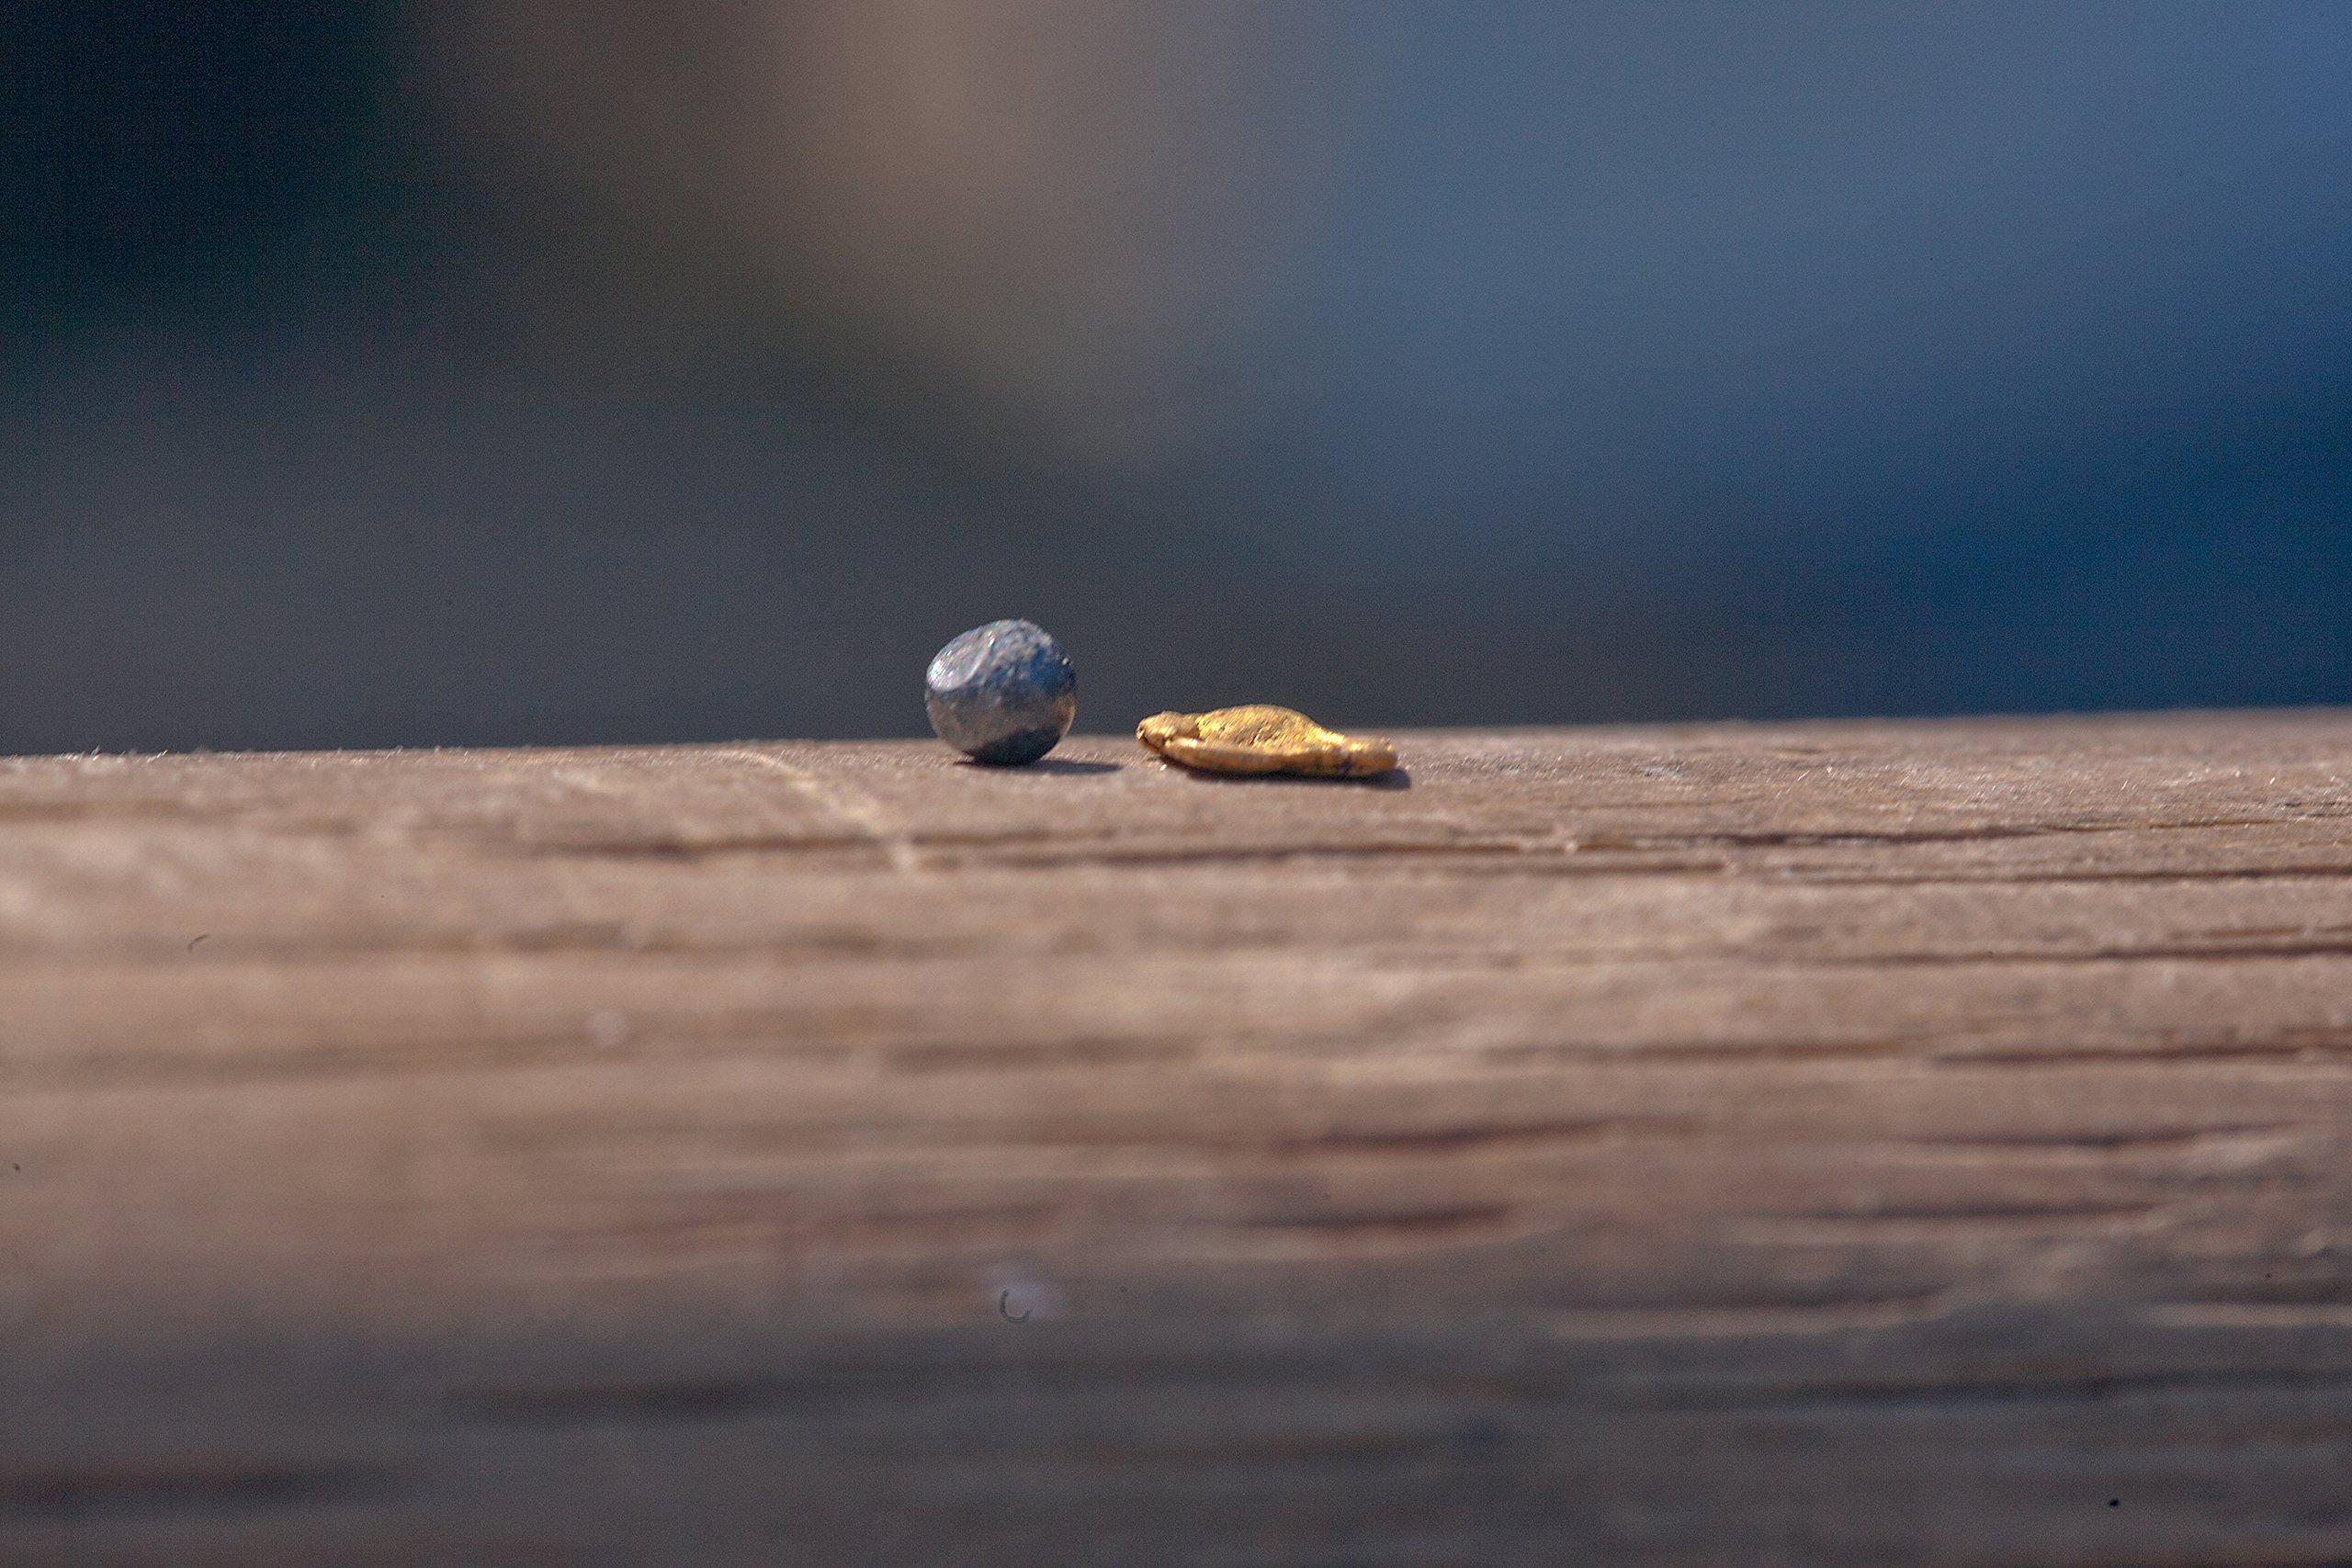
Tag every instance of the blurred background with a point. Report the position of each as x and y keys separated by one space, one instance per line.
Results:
x=484 y=371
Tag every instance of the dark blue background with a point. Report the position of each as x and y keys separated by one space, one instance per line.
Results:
x=1649 y=362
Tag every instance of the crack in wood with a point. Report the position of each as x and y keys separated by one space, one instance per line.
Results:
x=1441 y=1220
x=1993 y=1390
x=179 y=1487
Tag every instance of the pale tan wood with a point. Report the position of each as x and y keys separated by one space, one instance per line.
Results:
x=1826 y=1144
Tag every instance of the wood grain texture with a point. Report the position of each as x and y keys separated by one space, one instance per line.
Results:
x=1815 y=1144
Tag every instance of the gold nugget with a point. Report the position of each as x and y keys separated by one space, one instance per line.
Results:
x=1262 y=740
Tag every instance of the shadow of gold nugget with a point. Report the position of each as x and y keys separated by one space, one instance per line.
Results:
x=1262 y=740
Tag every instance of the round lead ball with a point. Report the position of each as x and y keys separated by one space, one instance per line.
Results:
x=1003 y=693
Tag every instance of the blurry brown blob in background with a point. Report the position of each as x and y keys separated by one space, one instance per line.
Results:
x=1067 y=216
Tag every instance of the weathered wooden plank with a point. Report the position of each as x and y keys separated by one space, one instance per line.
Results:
x=1812 y=1144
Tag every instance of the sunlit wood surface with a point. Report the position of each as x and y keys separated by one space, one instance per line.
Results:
x=1813 y=1145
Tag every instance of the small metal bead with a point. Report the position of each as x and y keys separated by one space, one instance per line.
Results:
x=1003 y=693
